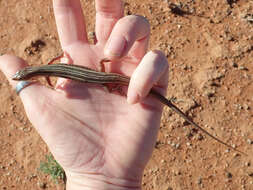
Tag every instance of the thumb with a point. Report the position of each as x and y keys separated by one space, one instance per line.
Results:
x=30 y=95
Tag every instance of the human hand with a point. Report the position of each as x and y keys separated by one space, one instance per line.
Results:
x=99 y=139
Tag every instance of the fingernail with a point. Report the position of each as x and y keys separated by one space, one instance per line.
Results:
x=132 y=97
x=115 y=46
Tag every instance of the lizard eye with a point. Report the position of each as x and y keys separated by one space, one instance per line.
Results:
x=16 y=76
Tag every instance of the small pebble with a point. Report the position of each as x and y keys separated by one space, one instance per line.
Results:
x=42 y=185
x=227 y=150
x=8 y=174
x=200 y=137
x=236 y=154
x=250 y=174
x=18 y=179
x=242 y=68
x=233 y=64
x=246 y=107
x=229 y=175
x=199 y=181
x=249 y=141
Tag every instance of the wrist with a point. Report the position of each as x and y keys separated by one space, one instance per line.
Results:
x=100 y=182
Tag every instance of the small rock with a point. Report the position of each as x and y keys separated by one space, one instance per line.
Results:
x=229 y=175
x=8 y=174
x=177 y=145
x=233 y=64
x=209 y=93
x=27 y=129
x=243 y=68
x=246 y=107
x=199 y=181
x=18 y=179
x=157 y=144
x=250 y=174
x=189 y=135
x=177 y=172
x=249 y=18
x=11 y=162
x=42 y=185
x=200 y=137
x=249 y=141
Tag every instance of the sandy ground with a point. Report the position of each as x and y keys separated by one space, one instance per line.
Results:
x=209 y=45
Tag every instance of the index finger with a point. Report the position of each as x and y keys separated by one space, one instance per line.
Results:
x=108 y=12
x=70 y=22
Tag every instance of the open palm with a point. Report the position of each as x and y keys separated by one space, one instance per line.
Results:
x=90 y=131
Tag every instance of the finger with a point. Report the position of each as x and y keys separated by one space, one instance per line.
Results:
x=9 y=65
x=108 y=12
x=30 y=95
x=152 y=71
x=70 y=22
x=126 y=32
